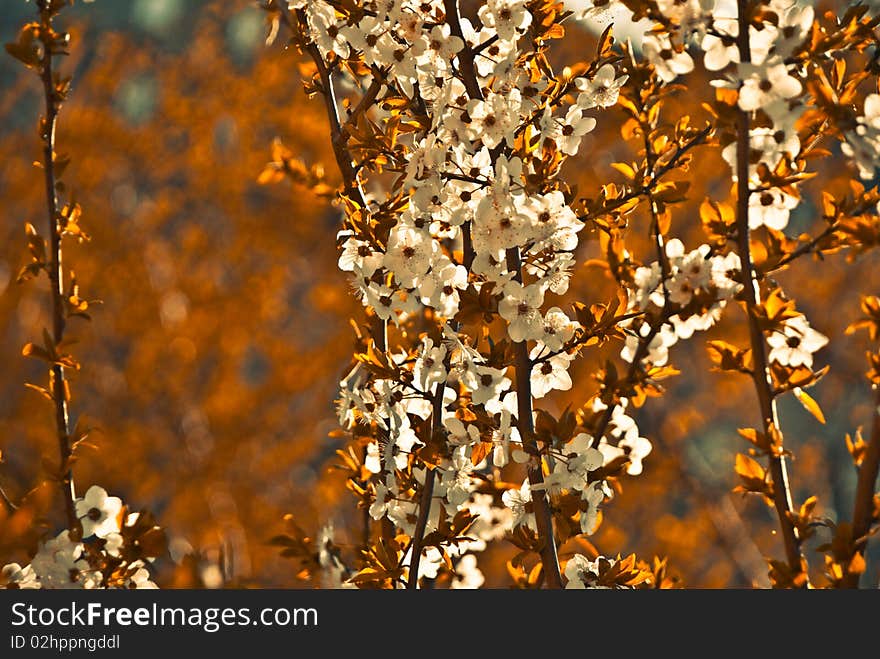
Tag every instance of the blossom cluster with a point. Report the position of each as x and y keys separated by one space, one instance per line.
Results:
x=693 y=288
x=102 y=558
x=467 y=179
x=477 y=228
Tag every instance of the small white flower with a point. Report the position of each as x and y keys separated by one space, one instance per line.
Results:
x=508 y=17
x=384 y=496
x=373 y=459
x=558 y=329
x=409 y=254
x=658 y=348
x=647 y=281
x=359 y=257
x=770 y=208
x=795 y=344
x=521 y=308
x=602 y=91
x=140 y=579
x=457 y=479
x=59 y=563
x=113 y=543
x=573 y=464
x=440 y=287
x=324 y=30
x=98 y=513
x=467 y=575
x=580 y=572
x=570 y=131
x=405 y=439
x=550 y=374
x=441 y=48
x=429 y=368
x=14 y=575
x=594 y=494
x=721 y=50
x=494 y=120
x=765 y=85
x=725 y=270
x=668 y=61
x=520 y=504
x=485 y=383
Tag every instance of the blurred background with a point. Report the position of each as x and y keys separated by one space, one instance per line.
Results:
x=210 y=369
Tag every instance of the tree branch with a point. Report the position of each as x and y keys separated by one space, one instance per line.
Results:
x=427 y=492
x=526 y=426
x=466 y=65
x=339 y=139
x=761 y=373
x=665 y=271
x=60 y=391
x=525 y=423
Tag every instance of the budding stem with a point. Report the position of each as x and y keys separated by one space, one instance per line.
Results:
x=54 y=266
x=761 y=373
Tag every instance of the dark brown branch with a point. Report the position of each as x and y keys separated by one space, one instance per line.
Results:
x=338 y=137
x=466 y=64
x=427 y=492
x=761 y=372
x=55 y=266
x=365 y=103
x=526 y=426
x=863 y=508
x=525 y=423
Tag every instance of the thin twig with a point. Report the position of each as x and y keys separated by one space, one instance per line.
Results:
x=54 y=266
x=466 y=65
x=644 y=344
x=7 y=501
x=418 y=535
x=339 y=140
x=642 y=190
x=802 y=249
x=761 y=373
